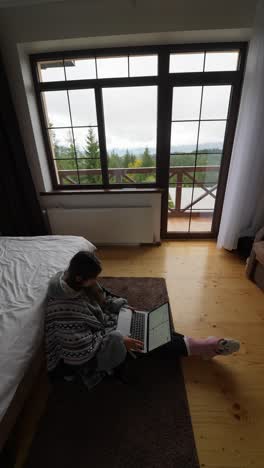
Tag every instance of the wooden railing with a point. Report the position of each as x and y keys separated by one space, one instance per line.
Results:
x=184 y=175
x=188 y=172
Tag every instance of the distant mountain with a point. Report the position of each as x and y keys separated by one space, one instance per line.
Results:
x=189 y=148
x=175 y=149
x=136 y=151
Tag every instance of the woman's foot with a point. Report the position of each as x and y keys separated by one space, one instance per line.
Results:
x=210 y=347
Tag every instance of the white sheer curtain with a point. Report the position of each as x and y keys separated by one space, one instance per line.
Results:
x=243 y=210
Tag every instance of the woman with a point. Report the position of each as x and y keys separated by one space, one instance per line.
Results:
x=81 y=321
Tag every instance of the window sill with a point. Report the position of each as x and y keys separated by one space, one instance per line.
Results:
x=102 y=191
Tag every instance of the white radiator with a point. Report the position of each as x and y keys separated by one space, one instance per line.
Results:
x=130 y=225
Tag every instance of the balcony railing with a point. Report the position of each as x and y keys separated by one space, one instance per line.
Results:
x=184 y=175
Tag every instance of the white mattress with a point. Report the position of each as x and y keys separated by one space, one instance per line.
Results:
x=26 y=265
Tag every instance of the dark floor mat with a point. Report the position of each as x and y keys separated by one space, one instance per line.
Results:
x=143 y=424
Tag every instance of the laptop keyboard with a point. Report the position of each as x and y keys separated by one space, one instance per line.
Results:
x=138 y=327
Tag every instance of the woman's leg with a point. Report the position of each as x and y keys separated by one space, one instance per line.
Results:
x=177 y=345
x=207 y=348
x=110 y=356
x=112 y=352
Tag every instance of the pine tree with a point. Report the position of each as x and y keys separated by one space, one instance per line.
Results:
x=92 y=153
x=147 y=159
x=128 y=159
x=92 y=150
x=114 y=161
x=69 y=150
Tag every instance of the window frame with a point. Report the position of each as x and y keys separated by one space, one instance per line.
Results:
x=164 y=82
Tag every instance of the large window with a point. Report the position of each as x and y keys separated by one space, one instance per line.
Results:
x=131 y=129
x=71 y=122
x=100 y=118
x=158 y=116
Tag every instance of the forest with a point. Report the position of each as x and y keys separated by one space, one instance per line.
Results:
x=67 y=157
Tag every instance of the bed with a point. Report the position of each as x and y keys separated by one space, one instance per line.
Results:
x=26 y=265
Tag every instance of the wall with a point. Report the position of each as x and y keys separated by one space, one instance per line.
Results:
x=100 y=23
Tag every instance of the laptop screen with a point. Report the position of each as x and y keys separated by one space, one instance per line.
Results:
x=159 y=327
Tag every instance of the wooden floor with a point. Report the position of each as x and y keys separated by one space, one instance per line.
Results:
x=210 y=295
x=183 y=224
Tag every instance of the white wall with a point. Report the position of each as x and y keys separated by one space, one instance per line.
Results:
x=100 y=23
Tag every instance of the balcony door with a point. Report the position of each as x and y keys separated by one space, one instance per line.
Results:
x=201 y=117
x=198 y=127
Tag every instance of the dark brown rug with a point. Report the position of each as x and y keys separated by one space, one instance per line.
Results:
x=143 y=424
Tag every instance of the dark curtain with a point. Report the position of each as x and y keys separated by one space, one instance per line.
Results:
x=20 y=213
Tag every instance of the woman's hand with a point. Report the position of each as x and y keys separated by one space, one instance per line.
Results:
x=133 y=345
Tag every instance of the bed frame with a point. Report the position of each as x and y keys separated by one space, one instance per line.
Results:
x=18 y=424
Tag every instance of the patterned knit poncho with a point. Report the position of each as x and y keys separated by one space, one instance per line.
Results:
x=75 y=322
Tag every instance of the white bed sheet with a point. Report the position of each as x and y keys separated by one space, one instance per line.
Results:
x=26 y=265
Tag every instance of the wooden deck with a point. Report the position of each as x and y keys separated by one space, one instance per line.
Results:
x=201 y=223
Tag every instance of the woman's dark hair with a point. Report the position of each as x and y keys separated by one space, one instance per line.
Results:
x=84 y=264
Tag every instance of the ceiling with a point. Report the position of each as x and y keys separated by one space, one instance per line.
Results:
x=21 y=3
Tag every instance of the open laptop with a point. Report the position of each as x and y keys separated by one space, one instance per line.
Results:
x=153 y=328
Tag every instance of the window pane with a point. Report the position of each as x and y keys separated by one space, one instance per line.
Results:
x=90 y=171
x=80 y=69
x=62 y=143
x=177 y=163
x=67 y=172
x=221 y=61
x=83 y=109
x=203 y=203
x=178 y=223
x=89 y=179
x=184 y=136
x=208 y=166
x=112 y=67
x=86 y=142
x=186 y=63
x=143 y=65
x=211 y=136
x=51 y=70
x=203 y=199
x=186 y=102
x=57 y=108
x=180 y=196
x=215 y=102
x=185 y=197
x=131 y=126
x=201 y=222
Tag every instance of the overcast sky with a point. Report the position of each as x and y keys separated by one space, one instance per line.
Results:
x=131 y=113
